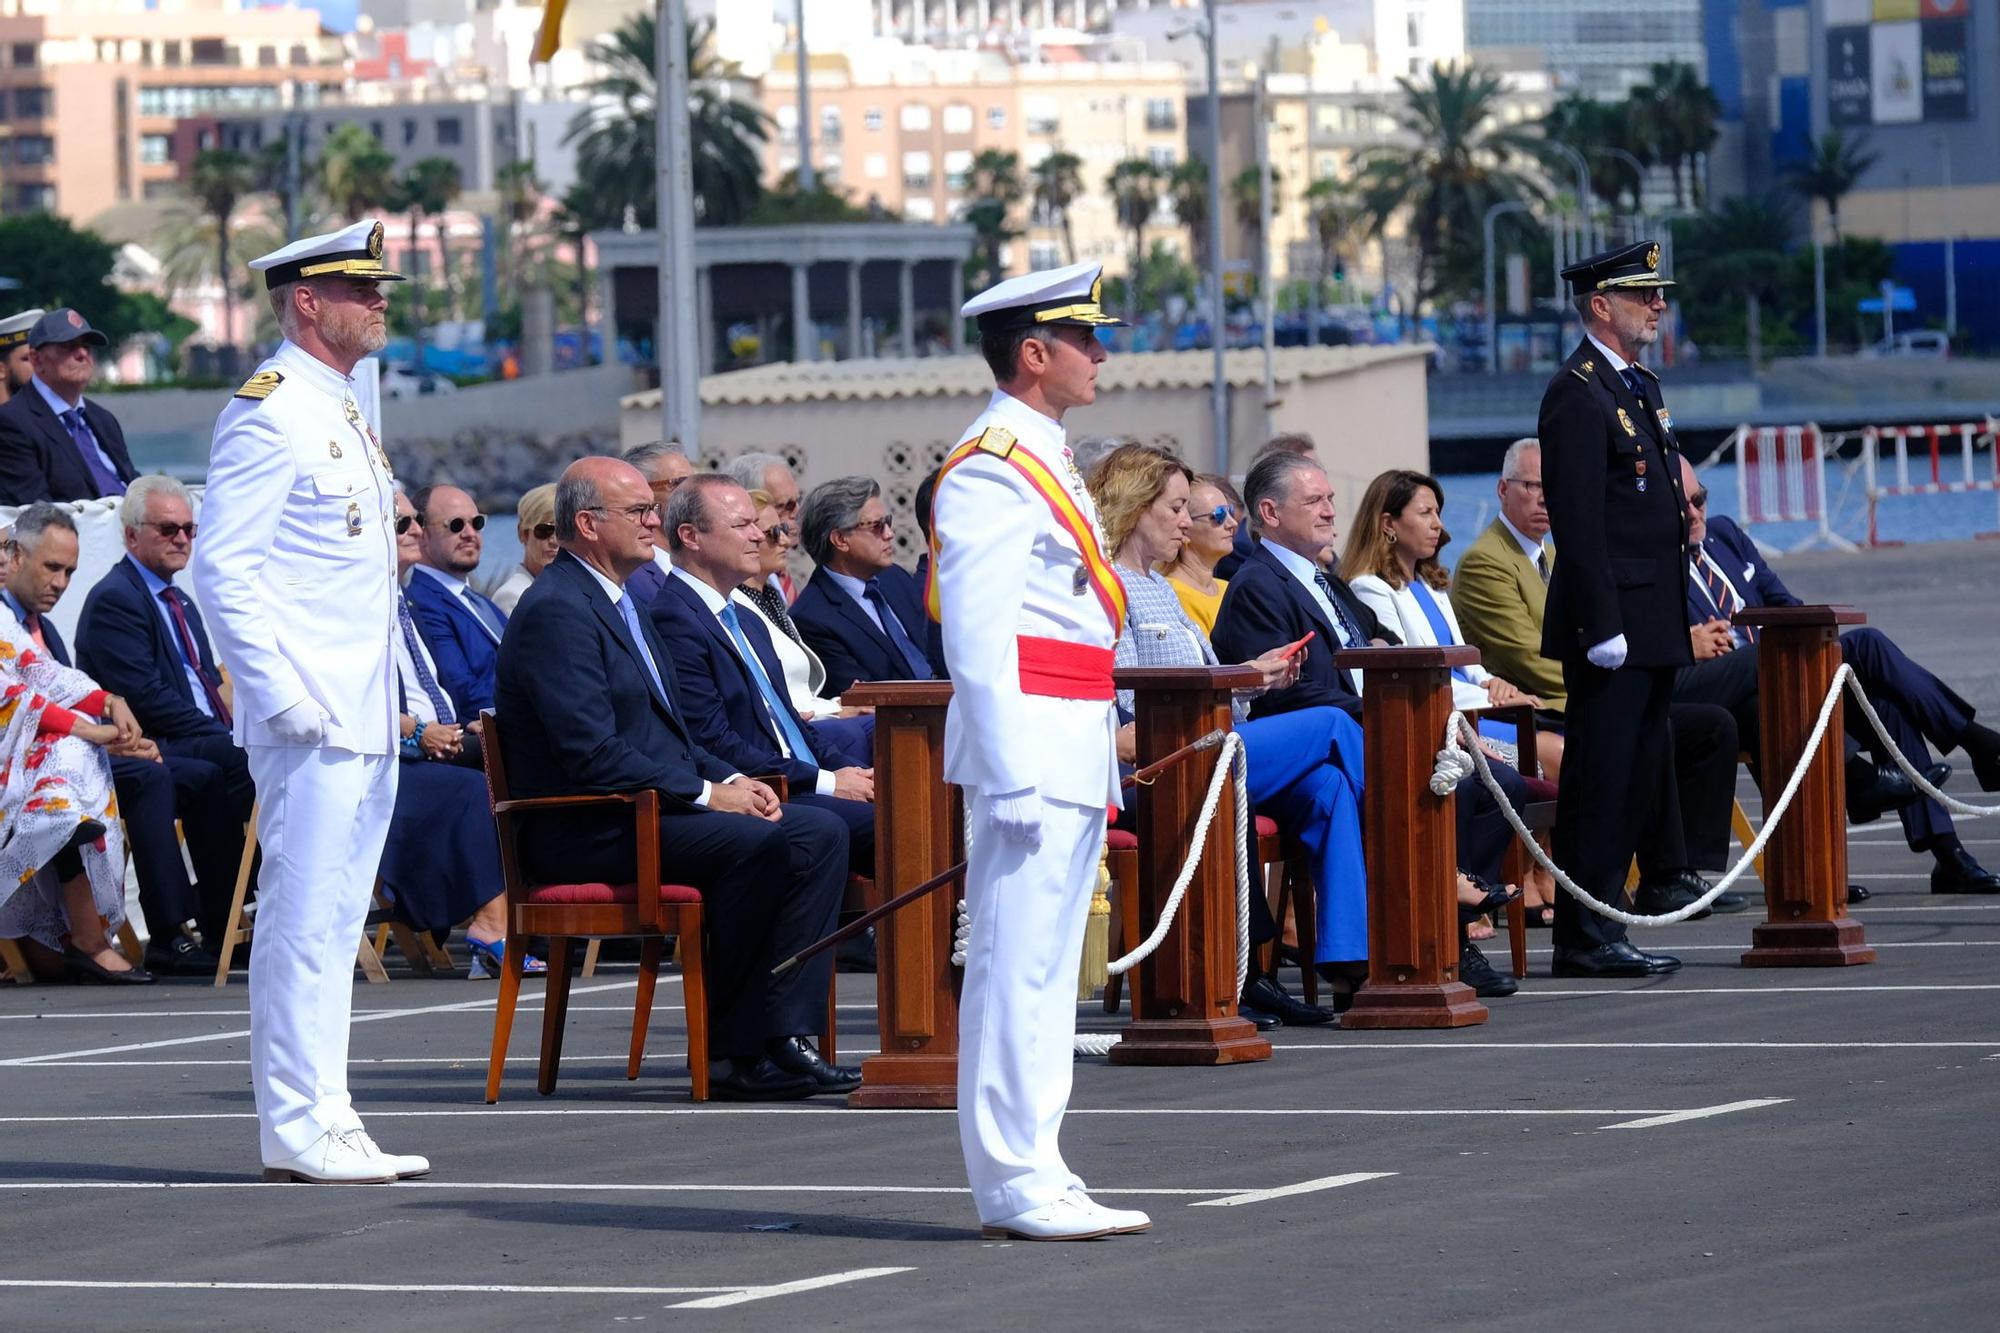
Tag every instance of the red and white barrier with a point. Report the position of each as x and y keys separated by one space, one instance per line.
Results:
x=1967 y=439
x=1781 y=478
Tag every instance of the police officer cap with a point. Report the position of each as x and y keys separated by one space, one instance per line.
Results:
x=14 y=329
x=1054 y=296
x=353 y=252
x=1630 y=266
x=64 y=326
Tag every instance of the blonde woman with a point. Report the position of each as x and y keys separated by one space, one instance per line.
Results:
x=536 y=523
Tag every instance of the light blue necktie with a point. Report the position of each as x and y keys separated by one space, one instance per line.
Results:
x=489 y=615
x=631 y=616
x=779 y=708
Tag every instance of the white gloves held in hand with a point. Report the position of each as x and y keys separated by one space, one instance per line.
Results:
x=1017 y=817
x=1610 y=654
x=304 y=723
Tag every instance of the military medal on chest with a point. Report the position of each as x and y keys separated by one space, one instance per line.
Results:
x=1081 y=583
x=1639 y=471
x=1626 y=422
x=353 y=518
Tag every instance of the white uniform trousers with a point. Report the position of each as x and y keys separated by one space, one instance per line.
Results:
x=322 y=817
x=1017 y=1007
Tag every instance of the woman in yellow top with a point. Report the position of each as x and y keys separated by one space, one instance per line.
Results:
x=1217 y=510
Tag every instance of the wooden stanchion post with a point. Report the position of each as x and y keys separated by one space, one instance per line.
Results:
x=1805 y=863
x=1184 y=995
x=1412 y=844
x=918 y=833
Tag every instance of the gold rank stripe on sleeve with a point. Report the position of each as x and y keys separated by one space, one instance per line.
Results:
x=259 y=386
x=1104 y=580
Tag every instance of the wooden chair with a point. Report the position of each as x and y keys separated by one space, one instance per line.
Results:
x=15 y=964
x=645 y=908
x=1539 y=816
x=241 y=925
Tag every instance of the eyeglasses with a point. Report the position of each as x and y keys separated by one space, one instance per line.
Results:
x=637 y=513
x=1531 y=487
x=457 y=525
x=1219 y=515
x=403 y=522
x=541 y=532
x=1699 y=499
x=777 y=532
x=880 y=527
x=168 y=531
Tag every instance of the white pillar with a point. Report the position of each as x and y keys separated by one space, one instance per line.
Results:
x=853 y=309
x=804 y=340
x=906 y=291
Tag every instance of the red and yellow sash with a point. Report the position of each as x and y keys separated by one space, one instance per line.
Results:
x=1104 y=580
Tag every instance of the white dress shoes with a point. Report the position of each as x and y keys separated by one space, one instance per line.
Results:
x=337 y=1157
x=405 y=1165
x=1122 y=1221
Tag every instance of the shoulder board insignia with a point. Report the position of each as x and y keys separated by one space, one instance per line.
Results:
x=996 y=440
x=258 y=387
x=1645 y=370
x=1584 y=371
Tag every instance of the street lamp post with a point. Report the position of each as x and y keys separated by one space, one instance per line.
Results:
x=1219 y=390
x=1950 y=246
x=805 y=110
x=675 y=329
x=1492 y=316
x=1582 y=193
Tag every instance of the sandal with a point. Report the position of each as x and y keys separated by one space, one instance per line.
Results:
x=1494 y=900
x=489 y=960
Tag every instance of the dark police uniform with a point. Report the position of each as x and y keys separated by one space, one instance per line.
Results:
x=1611 y=469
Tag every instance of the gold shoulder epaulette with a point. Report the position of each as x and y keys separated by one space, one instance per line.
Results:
x=996 y=440
x=1645 y=370
x=1584 y=371
x=258 y=387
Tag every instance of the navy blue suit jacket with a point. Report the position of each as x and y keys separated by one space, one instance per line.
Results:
x=464 y=652
x=579 y=715
x=1264 y=607
x=1731 y=548
x=724 y=709
x=837 y=627
x=122 y=643
x=39 y=460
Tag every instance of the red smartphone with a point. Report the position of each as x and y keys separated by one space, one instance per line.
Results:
x=1292 y=649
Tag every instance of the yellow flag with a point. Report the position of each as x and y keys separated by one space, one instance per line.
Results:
x=550 y=36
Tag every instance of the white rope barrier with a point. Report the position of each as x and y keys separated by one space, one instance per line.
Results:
x=1922 y=784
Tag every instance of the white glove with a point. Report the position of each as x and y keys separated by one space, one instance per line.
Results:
x=1610 y=654
x=304 y=723
x=1017 y=817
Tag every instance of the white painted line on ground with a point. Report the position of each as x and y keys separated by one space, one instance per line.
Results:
x=1366 y=1047
x=564 y=1186
x=1700 y=1113
x=1974 y=903
x=786 y=1288
x=1669 y=989
x=844 y=1112
x=1286 y=1191
x=1741 y=945
x=374 y=1016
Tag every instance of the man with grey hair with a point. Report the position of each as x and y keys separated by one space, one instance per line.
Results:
x=861 y=611
x=1294 y=443
x=772 y=475
x=664 y=465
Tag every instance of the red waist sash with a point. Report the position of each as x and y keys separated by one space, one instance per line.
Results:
x=1063 y=670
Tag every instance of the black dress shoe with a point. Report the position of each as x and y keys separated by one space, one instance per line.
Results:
x=856 y=954
x=82 y=967
x=1959 y=873
x=1476 y=972
x=179 y=957
x=1858 y=893
x=1617 y=959
x=1674 y=894
x=1265 y=993
x=1262 y=1021
x=760 y=1081
x=1873 y=789
x=795 y=1055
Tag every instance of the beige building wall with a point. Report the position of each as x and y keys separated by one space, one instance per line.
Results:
x=1932 y=214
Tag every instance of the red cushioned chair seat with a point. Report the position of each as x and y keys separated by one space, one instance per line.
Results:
x=1119 y=840
x=1267 y=827
x=584 y=895
x=1539 y=789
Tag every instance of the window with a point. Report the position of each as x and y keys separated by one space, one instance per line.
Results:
x=916 y=171
x=170 y=53
x=34 y=150
x=996 y=117
x=1044 y=254
x=1161 y=114
x=875 y=166
x=1161 y=157
x=300 y=56
x=24 y=54
x=156 y=150
x=787 y=121
x=914 y=116
x=34 y=103
x=409 y=131
x=209 y=51
x=1044 y=115
x=31 y=198
x=958 y=119
x=3 y=104
x=451 y=132
x=957 y=167
x=829 y=124
x=190 y=101
x=920 y=209
x=267 y=57
x=871 y=119
x=828 y=166
x=375 y=128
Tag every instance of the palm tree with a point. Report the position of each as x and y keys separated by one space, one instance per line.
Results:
x=1188 y=188
x=219 y=178
x=1337 y=221
x=1594 y=128
x=429 y=187
x=1462 y=161
x=356 y=172
x=1134 y=186
x=1675 y=115
x=1831 y=171
x=1058 y=184
x=615 y=136
x=272 y=168
x=1737 y=254
x=993 y=187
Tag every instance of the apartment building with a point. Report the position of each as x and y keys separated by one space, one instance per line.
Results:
x=90 y=90
x=897 y=129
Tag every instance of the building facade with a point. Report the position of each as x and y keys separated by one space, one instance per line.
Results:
x=1602 y=48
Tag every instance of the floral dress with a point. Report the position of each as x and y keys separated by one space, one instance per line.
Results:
x=50 y=782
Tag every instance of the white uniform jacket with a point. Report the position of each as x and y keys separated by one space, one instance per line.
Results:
x=296 y=566
x=1006 y=567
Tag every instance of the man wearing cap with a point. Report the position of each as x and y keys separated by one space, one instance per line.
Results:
x=1030 y=609
x=54 y=443
x=296 y=569
x=17 y=363
x=1615 y=618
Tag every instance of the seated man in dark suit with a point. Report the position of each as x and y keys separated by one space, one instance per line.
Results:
x=461 y=627
x=590 y=700
x=152 y=788
x=861 y=611
x=54 y=443
x=1241 y=545
x=731 y=682
x=1916 y=707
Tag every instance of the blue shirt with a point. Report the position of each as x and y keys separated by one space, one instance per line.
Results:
x=155 y=585
x=58 y=406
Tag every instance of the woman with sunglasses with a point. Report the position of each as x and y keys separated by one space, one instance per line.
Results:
x=1217 y=511
x=537 y=520
x=805 y=674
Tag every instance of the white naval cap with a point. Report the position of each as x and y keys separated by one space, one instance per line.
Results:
x=14 y=328
x=354 y=252
x=1054 y=296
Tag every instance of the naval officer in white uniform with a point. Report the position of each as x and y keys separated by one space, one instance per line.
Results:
x=296 y=571
x=1030 y=609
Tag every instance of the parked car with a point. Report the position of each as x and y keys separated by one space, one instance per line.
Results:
x=402 y=382
x=1931 y=343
